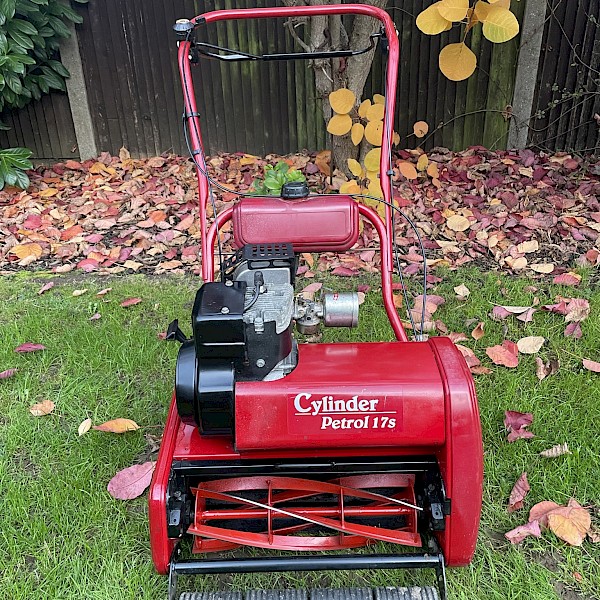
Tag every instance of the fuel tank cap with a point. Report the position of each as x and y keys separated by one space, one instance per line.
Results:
x=294 y=189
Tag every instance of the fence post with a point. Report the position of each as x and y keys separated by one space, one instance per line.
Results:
x=527 y=69
x=78 y=99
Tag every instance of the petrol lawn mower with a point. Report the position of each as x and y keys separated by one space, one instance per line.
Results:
x=308 y=447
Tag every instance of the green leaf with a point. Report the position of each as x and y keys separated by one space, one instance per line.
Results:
x=3 y=43
x=7 y=8
x=59 y=68
x=10 y=176
x=59 y=27
x=64 y=10
x=13 y=82
x=22 y=179
x=22 y=26
x=52 y=79
x=24 y=41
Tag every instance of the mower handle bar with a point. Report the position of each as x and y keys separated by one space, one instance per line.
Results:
x=185 y=31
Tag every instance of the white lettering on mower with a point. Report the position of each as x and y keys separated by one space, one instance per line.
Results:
x=328 y=406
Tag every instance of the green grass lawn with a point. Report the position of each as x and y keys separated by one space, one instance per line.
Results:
x=63 y=536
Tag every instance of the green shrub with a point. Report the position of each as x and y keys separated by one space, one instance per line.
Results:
x=275 y=177
x=13 y=164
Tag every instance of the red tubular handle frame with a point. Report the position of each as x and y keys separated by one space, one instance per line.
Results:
x=384 y=229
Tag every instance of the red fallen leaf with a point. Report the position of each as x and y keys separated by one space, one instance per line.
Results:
x=567 y=279
x=591 y=365
x=578 y=309
x=32 y=221
x=8 y=373
x=539 y=512
x=559 y=308
x=29 y=347
x=71 y=232
x=311 y=289
x=88 y=265
x=344 y=272
x=574 y=330
x=518 y=493
x=511 y=347
x=516 y=423
x=518 y=534
x=527 y=316
x=130 y=302
x=131 y=482
x=363 y=288
x=500 y=355
x=46 y=287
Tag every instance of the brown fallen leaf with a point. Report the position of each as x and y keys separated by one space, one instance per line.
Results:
x=130 y=302
x=543 y=369
x=45 y=288
x=458 y=223
x=469 y=356
x=458 y=337
x=478 y=332
x=591 y=365
x=119 y=425
x=570 y=523
x=8 y=373
x=531 y=344
x=42 y=408
x=518 y=534
x=480 y=370
x=131 y=482
x=518 y=493
x=84 y=426
x=79 y=292
x=462 y=291
x=556 y=451
x=104 y=292
x=500 y=355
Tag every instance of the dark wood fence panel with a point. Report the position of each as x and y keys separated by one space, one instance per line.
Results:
x=45 y=127
x=567 y=98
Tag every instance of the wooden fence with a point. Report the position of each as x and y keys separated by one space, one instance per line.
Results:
x=128 y=54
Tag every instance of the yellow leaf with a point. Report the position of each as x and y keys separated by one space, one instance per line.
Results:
x=27 y=250
x=342 y=101
x=84 y=427
x=378 y=99
x=423 y=162
x=457 y=61
x=430 y=22
x=357 y=133
x=374 y=131
x=481 y=10
x=118 y=426
x=421 y=129
x=375 y=112
x=453 y=10
x=363 y=108
x=98 y=168
x=372 y=159
x=247 y=159
x=355 y=167
x=339 y=124
x=372 y=175
x=408 y=170
x=374 y=189
x=458 y=223
x=433 y=171
x=396 y=138
x=42 y=408
x=48 y=193
x=500 y=25
x=350 y=187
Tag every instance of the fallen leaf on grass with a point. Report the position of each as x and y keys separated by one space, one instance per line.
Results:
x=570 y=523
x=310 y=290
x=29 y=347
x=469 y=356
x=531 y=344
x=480 y=370
x=118 y=426
x=539 y=512
x=518 y=493
x=95 y=317
x=518 y=534
x=478 y=332
x=501 y=355
x=516 y=423
x=104 y=292
x=543 y=369
x=79 y=292
x=46 y=287
x=84 y=426
x=131 y=482
x=542 y=268
x=130 y=302
x=457 y=337
x=462 y=291
x=591 y=365
x=569 y=278
x=556 y=451
x=573 y=330
x=8 y=373
x=42 y=408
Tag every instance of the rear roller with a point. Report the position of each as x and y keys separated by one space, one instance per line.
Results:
x=385 y=593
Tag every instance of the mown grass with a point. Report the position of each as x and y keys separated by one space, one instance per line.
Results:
x=63 y=536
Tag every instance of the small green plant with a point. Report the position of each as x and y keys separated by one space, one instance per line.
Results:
x=13 y=164
x=275 y=177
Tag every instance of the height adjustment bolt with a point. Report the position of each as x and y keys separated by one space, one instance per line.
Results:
x=225 y=310
x=229 y=283
x=260 y=363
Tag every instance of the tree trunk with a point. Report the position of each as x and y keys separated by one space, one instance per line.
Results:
x=329 y=33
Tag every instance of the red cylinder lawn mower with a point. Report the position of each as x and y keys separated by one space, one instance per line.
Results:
x=308 y=448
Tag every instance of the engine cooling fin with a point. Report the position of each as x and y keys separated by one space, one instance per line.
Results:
x=383 y=593
x=290 y=513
